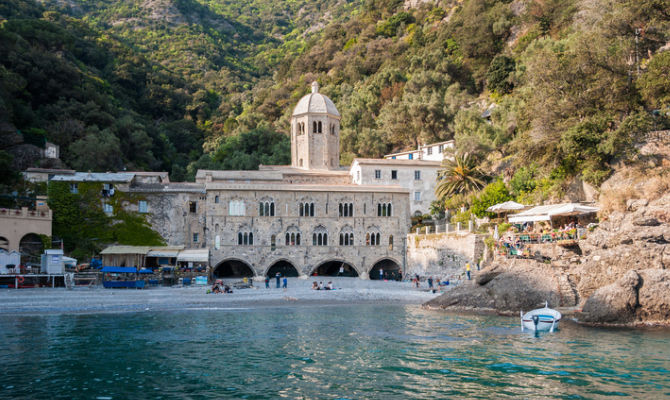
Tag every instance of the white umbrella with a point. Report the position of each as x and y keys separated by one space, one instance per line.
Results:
x=505 y=207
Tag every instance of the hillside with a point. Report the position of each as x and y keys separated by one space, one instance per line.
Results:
x=175 y=84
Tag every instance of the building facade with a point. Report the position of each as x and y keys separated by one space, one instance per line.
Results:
x=417 y=176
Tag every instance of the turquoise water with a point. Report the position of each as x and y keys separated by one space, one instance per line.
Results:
x=353 y=351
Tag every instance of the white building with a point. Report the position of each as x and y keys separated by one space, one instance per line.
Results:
x=428 y=152
x=417 y=176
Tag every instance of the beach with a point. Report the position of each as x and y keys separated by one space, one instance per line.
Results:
x=298 y=293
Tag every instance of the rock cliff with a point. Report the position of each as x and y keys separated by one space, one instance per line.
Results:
x=619 y=275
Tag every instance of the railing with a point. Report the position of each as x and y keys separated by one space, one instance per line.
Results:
x=519 y=244
x=457 y=228
x=24 y=213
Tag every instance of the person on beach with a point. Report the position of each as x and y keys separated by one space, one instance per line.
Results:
x=341 y=271
x=320 y=285
x=381 y=274
x=430 y=282
x=315 y=286
x=285 y=283
x=278 y=277
x=467 y=269
x=330 y=286
x=267 y=282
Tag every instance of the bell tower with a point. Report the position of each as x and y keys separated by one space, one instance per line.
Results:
x=315 y=132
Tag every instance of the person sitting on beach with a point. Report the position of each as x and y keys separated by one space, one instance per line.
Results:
x=329 y=286
x=320 y=285
x=315 y=286
x=227 y=289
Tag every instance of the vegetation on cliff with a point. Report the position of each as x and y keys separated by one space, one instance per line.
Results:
x=568 y=86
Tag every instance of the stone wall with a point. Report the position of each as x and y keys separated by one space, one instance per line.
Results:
x=443 y=255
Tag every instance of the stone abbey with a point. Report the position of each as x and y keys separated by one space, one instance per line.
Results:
x=310 y=217
x=299 y=219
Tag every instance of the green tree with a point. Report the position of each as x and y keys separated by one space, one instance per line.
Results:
x=499 y=74
x=460 y=175
x=492 y=194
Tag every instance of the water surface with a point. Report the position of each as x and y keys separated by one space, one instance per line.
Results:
x=353 y=351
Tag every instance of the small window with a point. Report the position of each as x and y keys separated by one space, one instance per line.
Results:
x=273 y=242
x=394 y=174
x=192 y=206
x=429 y=150
x=320 y=127
x=195 y=237
x=216 y=199
x=314 y=127
x=74 y=188
x=378 y=174
x=391 y=242
x=108 y=208
x=417 y=196
x=417 y=175
x=143 y=206
x=440 y=148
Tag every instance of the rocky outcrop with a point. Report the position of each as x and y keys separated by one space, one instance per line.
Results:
x=619 y=275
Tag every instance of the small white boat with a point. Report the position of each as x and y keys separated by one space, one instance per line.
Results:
x=541 y=319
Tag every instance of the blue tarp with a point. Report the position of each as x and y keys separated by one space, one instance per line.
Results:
x=145 y=271
x=120 y=270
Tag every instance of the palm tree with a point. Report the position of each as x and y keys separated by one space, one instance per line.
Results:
x=460 y=175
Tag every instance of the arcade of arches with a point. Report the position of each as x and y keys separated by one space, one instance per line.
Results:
x=284 y=268
x=332 y=268
x=390 y=270
x=233 y=269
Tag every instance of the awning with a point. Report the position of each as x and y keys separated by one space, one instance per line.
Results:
x=69 y=261
x=165 y=252
x=194 y=255
x=545 y=213
x=145 y=271
x=120 y=270
x=126 y=250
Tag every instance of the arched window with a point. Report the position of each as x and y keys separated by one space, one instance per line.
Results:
x=351 y=209
x=320 y=236
x=390 y=242
x=341 y=213
x=216 y=199
x=273 y=242
x=245 y=237
x=302 y=210
x=367 y=239
x=236 y=207
x=292 y=236
x=351 y=239
x=319 y=126
x=311 y=209
x=301 y=162
x=384 y=210
x=347 y=236
x=341 y=239
x=372 y=237
x=314 y=127
x=378 y=241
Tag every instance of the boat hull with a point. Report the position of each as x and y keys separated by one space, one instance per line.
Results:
x=547 y=320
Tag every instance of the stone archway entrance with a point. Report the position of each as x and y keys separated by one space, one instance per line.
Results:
x=390 y=269
x=332 y=268
x=285 y=268
x=233 y=269
x=4 y=243
x=31 y=248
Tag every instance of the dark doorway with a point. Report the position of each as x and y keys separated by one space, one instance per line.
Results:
x=390 y=269
x=233 y=269
x=285 y=268
x=332 y=268
x=31 y=248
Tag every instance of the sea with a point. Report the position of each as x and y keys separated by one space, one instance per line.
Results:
x=353 y=351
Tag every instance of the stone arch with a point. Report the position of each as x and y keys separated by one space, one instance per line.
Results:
x=284 y=266
x=31 y=247
x=390 y=268
x=332 y=268
x=233 y=268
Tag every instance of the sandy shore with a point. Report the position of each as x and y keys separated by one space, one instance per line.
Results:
x=299 y=293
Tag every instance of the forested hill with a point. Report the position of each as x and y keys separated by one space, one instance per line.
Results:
x=178 y=85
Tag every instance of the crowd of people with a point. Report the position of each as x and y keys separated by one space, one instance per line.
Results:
x=321 y=286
